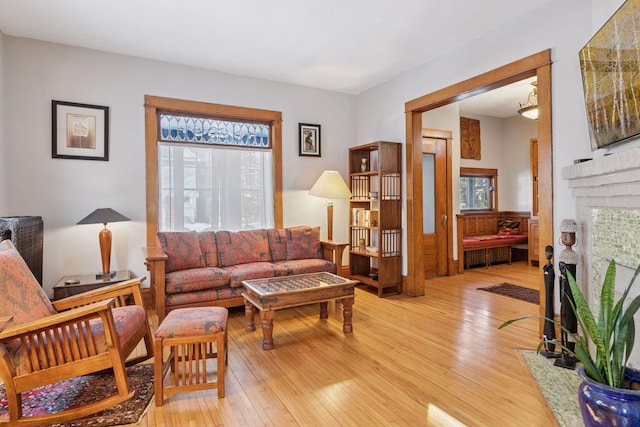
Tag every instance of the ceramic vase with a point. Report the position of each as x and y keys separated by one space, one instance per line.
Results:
x=602 y=405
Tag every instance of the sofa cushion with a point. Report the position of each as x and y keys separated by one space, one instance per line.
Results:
x=195 y=279
x=241 y=247
x=254 y=270
x=182 y=248
x=303 y=243
x=204 y=296
x=304 y=266
x=277 y=244
x=209 y=248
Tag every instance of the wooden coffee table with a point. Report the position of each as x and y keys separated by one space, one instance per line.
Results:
x=269 y=295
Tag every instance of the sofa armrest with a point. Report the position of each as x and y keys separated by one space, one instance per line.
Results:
x=332 y=251
x=155 y=260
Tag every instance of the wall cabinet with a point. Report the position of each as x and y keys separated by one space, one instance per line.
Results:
x=376 y=216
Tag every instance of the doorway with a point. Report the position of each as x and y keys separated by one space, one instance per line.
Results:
x=537 y=65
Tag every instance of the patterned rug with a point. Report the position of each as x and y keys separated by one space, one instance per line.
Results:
x=515 y=291
x=80 y=391
x=559 y=387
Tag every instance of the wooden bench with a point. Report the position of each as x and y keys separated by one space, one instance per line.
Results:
x=479 y=231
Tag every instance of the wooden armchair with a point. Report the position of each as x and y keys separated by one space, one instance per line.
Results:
x=43 y=342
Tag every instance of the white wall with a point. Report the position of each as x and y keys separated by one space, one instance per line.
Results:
x=3 y=158
x=564 y=27
x=63 y=191
x=516 y=166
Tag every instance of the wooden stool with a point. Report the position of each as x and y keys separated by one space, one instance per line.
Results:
x=190 y=334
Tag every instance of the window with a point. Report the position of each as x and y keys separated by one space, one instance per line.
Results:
x=478 y=189
x=211 y=167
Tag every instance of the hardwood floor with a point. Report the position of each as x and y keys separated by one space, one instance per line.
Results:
x=437 y=360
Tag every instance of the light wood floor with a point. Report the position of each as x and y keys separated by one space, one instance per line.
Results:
x=437 y=360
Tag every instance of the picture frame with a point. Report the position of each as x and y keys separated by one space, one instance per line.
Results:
x=79 y=131
x=308 y=140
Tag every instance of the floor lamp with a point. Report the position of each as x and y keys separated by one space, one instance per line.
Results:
x=104 y=216
x=330 y=186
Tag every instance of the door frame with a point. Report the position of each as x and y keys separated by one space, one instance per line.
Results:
x=537 y=65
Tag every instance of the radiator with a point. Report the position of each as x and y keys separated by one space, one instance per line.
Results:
x=496 y=255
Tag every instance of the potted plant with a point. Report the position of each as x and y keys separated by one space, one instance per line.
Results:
x=610 y=391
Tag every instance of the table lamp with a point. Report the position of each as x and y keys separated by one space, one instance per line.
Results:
x=330 y=186
x=103 y=216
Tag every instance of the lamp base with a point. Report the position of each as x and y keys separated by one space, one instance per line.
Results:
x=109 y=275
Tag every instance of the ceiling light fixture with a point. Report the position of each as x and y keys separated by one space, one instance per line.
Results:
x=530 y=109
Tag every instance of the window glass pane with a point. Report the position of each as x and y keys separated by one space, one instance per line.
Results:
x=428 y=193
x=205 y=130
x=475 y=192
x=208 y=187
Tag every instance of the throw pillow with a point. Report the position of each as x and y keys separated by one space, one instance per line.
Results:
x=182 y=248
x=303 y=243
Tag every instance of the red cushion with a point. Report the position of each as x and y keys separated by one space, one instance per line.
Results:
x=303 y=243
x=182 y=248
x=241 y=247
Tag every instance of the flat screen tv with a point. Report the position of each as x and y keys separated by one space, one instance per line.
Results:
x=610 y=67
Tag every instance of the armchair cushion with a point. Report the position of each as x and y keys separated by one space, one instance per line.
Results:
x=182 y=248
x=22 y=302
x=303 y=243
x=128 y=320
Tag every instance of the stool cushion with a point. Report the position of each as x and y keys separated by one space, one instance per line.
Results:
x=189 y=322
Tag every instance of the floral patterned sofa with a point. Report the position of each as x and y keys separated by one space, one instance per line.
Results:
x=189 y=268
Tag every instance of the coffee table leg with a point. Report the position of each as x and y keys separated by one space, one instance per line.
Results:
x=347 y=315
x=249 y=315
x=267 y=317
x=324 y=310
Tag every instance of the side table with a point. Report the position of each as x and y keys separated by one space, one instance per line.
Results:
x=77 y=284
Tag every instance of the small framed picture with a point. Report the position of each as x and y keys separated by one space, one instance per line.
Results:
x=309 y=143
x=79 y=131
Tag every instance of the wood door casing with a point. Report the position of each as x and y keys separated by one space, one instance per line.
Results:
x=537 y=65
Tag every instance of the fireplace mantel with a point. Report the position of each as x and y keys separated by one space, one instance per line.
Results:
x=607 y=196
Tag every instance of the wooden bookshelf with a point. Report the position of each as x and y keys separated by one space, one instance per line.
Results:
x=375 y=180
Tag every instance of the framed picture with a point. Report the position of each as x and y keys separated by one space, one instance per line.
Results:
x=79 y=131
x=309 y=140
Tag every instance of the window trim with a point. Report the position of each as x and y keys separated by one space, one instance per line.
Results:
x=154 y=104
x=492 y=174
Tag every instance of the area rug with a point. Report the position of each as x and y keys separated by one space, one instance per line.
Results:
x=514 y=291
x=559 y=387
x=80 y=391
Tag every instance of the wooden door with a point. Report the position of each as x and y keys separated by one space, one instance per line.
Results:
x=434 y=207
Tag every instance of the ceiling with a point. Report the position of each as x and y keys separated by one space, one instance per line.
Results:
x=344 y=46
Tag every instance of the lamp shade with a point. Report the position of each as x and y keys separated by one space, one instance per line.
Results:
x=330 y=185
x=103 y=216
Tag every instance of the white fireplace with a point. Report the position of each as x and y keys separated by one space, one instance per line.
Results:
x=607 y=195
